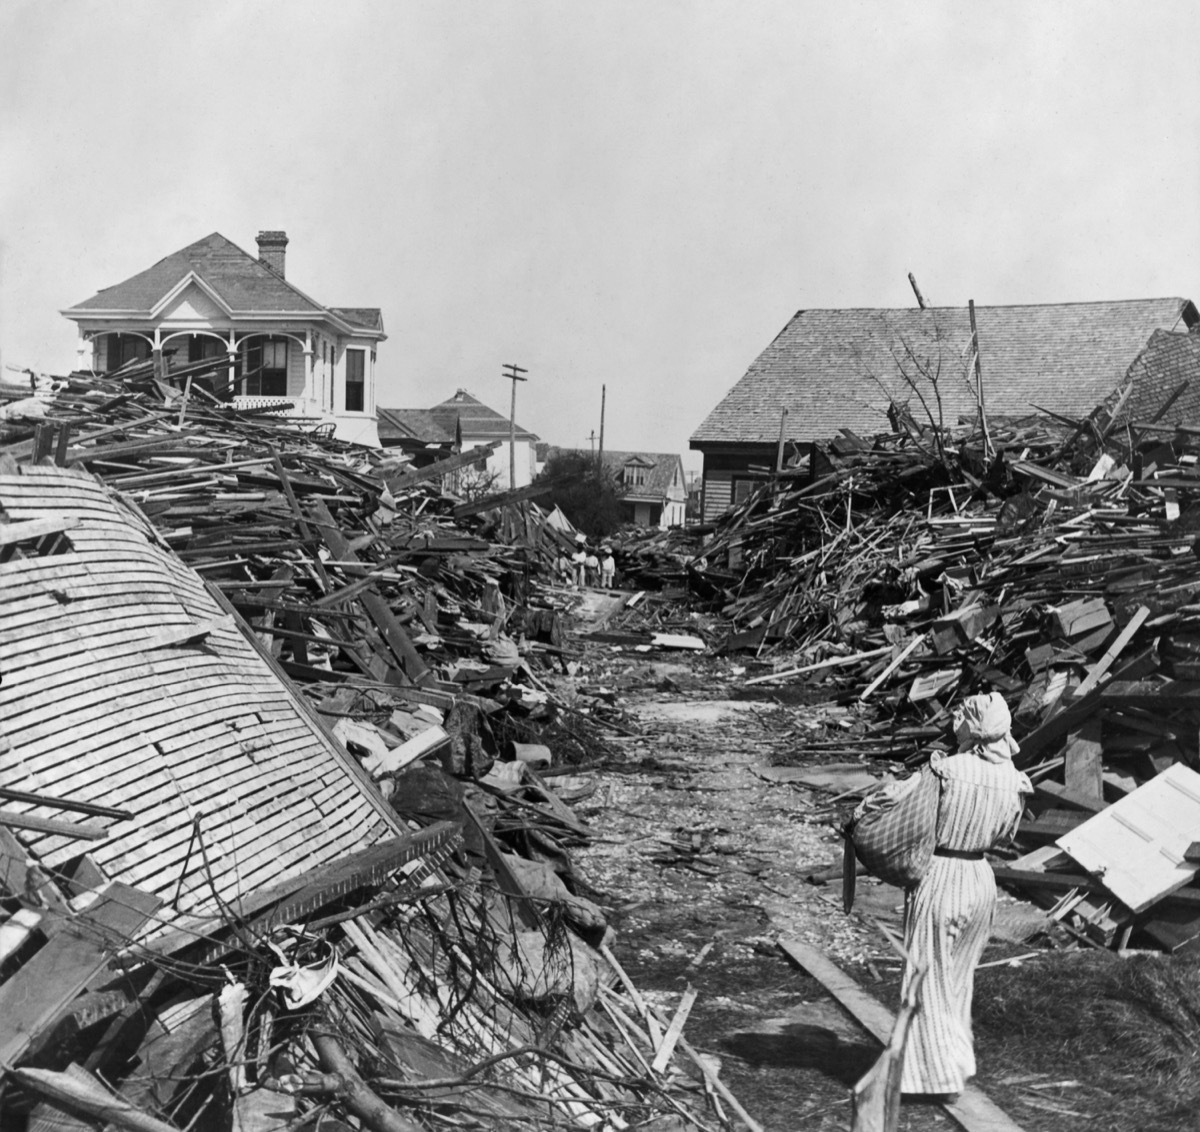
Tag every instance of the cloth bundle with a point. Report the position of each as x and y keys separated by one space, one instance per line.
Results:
x=894 y=832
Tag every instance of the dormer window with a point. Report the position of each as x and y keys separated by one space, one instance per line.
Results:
x=635 y=471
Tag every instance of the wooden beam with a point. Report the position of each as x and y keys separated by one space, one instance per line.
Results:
x=973 y=1110
x=32 y=998
x=385 y=620
x=517 y=495
x=77 y=830
x=1084 y=761
x=432 y=471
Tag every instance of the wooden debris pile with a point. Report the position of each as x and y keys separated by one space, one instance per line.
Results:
x=277 y=846
x=1062 y=573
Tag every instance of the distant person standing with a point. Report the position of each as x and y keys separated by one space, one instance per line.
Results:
x=579 y=561
x=592 y=565
x=608 y=568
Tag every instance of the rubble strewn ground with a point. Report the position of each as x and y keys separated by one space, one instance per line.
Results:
x=580 y=802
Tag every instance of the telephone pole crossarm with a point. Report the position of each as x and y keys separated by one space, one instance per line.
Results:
x=513 y=374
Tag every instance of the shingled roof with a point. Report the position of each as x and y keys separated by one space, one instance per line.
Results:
x=411 y=424
x=241 y=281
x=835 y=369
x=1170 y=360
x=478 y=421
x=660 y=470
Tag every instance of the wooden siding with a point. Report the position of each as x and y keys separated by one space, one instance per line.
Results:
x=97 y=705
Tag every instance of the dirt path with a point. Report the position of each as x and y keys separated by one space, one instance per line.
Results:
x=702 y=864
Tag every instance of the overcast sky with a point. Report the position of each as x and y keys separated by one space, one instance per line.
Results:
x=639 y=194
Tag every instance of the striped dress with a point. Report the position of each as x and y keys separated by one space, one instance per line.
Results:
x=948 y=917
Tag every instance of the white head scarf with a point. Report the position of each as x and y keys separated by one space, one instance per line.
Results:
x=982 y=725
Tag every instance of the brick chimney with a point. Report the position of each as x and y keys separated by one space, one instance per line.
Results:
x=272 y=249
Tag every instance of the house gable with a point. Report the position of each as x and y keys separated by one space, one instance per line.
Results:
x=191 y=300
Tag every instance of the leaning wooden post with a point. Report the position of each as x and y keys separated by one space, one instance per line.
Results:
x=987 y=440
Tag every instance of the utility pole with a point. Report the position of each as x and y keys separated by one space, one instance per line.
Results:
x=603 y=398
x=592 y=442
x=514 y=375
x=917 y=291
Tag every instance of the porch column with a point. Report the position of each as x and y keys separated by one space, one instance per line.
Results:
x=309 y=392
x=156 y=354
x=232 y=356
x=85 y=352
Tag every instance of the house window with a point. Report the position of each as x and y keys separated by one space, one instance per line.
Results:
x=356 y=380
x=743 y=488
x=633 y=475
x=126 y=348
x=264 y=372
x=201 y=348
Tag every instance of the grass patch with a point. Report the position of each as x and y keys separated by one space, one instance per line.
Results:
x=1129 y=1029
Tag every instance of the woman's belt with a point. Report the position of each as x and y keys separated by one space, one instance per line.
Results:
x=958 y=854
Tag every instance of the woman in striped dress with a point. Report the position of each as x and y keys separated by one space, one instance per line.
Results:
x=948 y=916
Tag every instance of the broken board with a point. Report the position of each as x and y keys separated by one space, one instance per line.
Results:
x=973 y=1110
x=1136 y=846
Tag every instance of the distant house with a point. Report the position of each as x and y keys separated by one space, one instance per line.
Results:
x=652 y=485
x=411 y=430
x=835 y=370
x=469 y=419
x=213 y=300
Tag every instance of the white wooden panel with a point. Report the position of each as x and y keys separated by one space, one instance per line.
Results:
x=1136 y=846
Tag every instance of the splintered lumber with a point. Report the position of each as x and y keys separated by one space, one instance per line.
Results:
x=393 y=632
x=504 y=498
x=1097 y=671
x=674 y=1030
x=973 y=1110
x=80 y=830
x=876 y=1096
x=76 y=1090
x=832 y=662
x=891 y=667
x=31 y=998
x=412 y=477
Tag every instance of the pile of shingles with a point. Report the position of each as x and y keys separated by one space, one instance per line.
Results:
x=1060 y=572
x=473 y=983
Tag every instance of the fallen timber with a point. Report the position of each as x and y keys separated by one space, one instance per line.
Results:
x=1062 y=573
x=223 y=637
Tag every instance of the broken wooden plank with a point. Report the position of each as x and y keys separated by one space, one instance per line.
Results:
x=892 y=666
x=674 y=1030
x=1064 y=795
x=11 y=533
x=1083 y=757
x=974 y=1110
x=385 y=620
x=76 y=1090
x=435 y=471
x=80 y=830
x=33 y=997
x=1100 y=668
